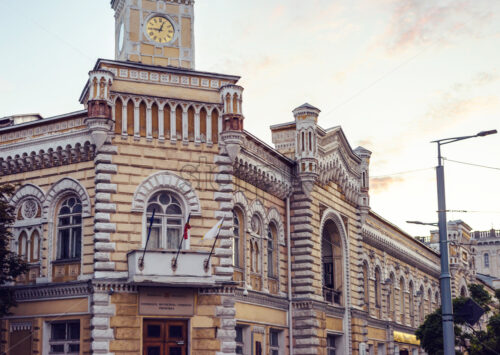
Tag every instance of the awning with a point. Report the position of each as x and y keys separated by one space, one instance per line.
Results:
x=406 y=338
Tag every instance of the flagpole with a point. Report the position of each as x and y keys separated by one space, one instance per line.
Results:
x=206 y=263
x=141 y=260
x=174 y=261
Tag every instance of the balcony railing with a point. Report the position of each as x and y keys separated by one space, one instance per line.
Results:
x=332 y=296
x=158 y=268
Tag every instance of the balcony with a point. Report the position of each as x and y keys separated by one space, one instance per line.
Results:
x=157 y=268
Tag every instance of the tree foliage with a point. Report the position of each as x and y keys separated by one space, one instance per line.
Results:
x=473 y=342
x=11 y=265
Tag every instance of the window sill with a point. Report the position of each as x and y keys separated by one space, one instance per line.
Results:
x=65 y=261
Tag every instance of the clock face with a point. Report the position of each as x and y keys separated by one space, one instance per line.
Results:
x=160 y=30
x=121 y=37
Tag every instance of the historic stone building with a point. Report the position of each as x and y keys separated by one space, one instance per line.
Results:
x=301 y=266
x=486 y=251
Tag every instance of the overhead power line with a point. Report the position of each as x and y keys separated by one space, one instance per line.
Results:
x=471 y=164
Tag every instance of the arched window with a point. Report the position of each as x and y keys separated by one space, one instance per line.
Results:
x=402 y=299
x=366 y=288
x=438 y=299
x=271 y=251
x=69 y=229
x=412 y=304
x=167 y=229
x=486 y=260
x=35 y=247
x=23 y=245
x=237 y=238
x=421 y=304
x=429 y=301
x=26 y=227
x=331 y=260
x=256 y=232
x=378 y=298
x=390 y=297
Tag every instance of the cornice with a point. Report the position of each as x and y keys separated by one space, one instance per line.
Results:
x=380 y=241
x=51 y=291
x=258 y=298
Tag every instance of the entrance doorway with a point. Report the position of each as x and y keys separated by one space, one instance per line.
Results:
x=165 y=337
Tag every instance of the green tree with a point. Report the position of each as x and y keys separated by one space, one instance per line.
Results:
x=483 y=342
x=11 y=265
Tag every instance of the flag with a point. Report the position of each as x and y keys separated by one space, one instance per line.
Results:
x=187 y=227
x=214 y=232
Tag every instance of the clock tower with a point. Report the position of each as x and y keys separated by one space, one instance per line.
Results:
x=155 y=32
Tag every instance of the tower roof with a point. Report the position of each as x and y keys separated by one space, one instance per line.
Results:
x=307 y=106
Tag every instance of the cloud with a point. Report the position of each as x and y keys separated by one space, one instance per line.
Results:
x=381 y=184
x=425 y=22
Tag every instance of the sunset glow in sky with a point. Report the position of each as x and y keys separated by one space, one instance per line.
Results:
x=395 y=74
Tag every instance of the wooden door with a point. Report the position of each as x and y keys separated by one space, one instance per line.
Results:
x=165 y=337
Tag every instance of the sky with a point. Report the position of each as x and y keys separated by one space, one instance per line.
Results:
x=394 y=74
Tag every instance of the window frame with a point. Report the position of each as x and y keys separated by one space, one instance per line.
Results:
x=272 y=251
x=71 y=227
x=274 y=348
x=486 y=260
x=67 y=342
x=164 y=225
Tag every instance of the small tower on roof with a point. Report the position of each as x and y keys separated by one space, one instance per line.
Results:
x=306 y=144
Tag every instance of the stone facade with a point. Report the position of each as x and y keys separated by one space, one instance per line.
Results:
x=301 y=264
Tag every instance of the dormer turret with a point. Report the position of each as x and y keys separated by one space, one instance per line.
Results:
x=99 y=118
x=232 y=119
x=364 y=196
x=306 y=144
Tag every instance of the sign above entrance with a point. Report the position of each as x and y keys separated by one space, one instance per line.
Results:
x=166 y=302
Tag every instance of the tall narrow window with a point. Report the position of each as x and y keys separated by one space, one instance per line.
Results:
x=118 y=116
x=331 y=260
x=142 y=119
x=256 y=226
x=203 y=125
x=402 y=299
x=35 y=247
x=236 y=239
x=412 y=304
x=166 y=121
x=274 y=342
x=215 y=126
x=486 y=260
x=130 y=117
x=377 y=288
x=69 y=229
x=271 y=253
x=168 y=222
x=391 y=296
x=421 y=304
x=191 y=123
x=310 y=142
x=154 y=122
x=366 y=288
x=239 y=340
x=23 y=245
x=429 y=302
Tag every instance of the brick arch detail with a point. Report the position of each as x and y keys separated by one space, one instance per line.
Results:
x=64 y=187
x=168 y=181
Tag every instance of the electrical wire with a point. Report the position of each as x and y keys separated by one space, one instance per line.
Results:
x=471 y=164
x=401 y=173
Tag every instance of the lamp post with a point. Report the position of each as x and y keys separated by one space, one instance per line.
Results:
x=445 y=277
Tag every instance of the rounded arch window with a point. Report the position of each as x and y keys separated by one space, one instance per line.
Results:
x=69 y=229
x=166 y=231
x=271 y=250
x=332 y=263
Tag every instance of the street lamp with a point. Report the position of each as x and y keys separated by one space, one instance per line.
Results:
x=445 y=277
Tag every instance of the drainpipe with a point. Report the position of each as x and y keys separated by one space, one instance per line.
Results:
x=289 y=246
